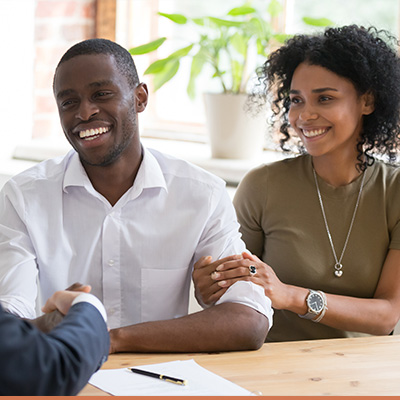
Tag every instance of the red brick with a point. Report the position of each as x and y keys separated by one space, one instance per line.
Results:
x=45 y=104
x=77 y=32
x=89 y=10
x=48 y=56
x=56 y=8
x=44 y=127
x=44 y=78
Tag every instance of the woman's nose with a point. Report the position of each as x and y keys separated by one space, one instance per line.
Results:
x=307 y=113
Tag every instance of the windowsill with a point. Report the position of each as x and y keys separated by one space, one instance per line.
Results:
x=231 y=170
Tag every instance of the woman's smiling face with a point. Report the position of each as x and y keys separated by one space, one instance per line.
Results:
x=326 y=110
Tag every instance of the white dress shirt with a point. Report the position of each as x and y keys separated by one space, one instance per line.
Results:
x=137 y=255
x=93 y=300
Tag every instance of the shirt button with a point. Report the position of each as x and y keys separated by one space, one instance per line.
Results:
x=110 y=263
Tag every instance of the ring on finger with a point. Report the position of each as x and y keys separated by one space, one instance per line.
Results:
x=252 y=269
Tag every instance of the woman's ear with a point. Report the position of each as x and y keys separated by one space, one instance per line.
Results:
x=141 y=97
x=368 y=103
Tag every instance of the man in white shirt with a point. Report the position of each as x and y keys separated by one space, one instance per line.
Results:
x=129 y=221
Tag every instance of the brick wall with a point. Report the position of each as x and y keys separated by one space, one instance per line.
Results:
x=58 y=25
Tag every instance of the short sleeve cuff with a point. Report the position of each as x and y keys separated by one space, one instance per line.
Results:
x=250 y=295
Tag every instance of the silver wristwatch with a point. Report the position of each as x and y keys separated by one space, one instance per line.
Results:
x=316 y=304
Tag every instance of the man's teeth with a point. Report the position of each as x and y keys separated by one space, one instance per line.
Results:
x=90 y=134
x=315 y=132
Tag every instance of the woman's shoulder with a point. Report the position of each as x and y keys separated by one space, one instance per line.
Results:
x=282 y=169
x=390 y=172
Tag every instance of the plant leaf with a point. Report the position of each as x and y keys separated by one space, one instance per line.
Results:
x=243 y=10
x=281 y=37
x=225 y=22
x=177 y=18
x=169 y=72
x=239 y=43
x=237 y=72
x=274 y=8
x=199 y=21
x=156 y=67
x=317 y=21
x=198 y=62
x=148 y=47
x=181 y=52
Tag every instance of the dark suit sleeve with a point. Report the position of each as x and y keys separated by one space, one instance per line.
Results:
x=59 y=363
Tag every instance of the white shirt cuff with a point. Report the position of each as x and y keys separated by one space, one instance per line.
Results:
x=93 y=300
x=250 y=295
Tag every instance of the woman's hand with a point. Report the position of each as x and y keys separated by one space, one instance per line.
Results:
x=227 y=272
x=207 y=290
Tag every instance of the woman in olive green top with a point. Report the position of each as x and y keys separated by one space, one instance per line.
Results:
x=324 y=227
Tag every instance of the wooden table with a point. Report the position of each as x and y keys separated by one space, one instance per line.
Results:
x=368 y=366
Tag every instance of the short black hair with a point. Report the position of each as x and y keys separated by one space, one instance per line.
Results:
x=123 y=58
x=365 y=56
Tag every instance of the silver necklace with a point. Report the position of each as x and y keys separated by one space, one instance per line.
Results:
x=338 y=262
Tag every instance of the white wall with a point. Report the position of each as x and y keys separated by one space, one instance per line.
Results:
x=16 y=69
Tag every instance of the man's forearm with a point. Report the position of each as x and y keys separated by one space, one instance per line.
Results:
x=226 y=327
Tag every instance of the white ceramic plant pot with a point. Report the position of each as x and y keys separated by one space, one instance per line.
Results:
x=233 y=131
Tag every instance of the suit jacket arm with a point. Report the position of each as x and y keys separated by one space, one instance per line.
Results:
x=59 y=363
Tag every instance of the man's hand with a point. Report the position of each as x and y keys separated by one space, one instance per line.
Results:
x=79 y=287
x=57 y=306
x=62 y=300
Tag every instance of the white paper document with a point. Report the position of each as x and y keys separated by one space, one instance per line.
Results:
x=200 y=381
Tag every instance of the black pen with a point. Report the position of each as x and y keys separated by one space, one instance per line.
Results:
x=159 y=376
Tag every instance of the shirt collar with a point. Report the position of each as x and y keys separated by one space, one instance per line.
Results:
x=149 y=175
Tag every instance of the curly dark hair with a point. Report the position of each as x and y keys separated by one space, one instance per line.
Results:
x=365 y=56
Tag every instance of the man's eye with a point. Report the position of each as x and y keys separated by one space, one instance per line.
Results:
x=102 y=94
x=67 y=103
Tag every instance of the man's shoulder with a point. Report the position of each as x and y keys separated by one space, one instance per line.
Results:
x=51 y=170
x=175 y=168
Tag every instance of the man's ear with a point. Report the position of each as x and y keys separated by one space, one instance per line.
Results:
x=369 y=103
x=141 y=97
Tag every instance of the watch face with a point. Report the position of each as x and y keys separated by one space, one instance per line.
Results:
x=315 y=302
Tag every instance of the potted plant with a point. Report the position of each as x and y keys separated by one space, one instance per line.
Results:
x=233 y=46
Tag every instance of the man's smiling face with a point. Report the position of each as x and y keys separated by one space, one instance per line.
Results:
x=97 y=108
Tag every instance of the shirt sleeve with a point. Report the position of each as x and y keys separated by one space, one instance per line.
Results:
x=250 y=295
x=93 y=300
x=18 y=269
x=221 y=236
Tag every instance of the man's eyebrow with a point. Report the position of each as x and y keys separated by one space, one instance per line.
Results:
x=64 y=93
x=95 y=84
x=105 y=82
x=319 y=90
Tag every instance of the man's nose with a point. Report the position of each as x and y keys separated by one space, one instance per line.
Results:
x=86 y=110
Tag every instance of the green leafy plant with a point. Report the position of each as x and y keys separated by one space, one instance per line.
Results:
x=226 y=44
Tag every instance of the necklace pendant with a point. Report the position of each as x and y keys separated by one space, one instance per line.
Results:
x=338 y=270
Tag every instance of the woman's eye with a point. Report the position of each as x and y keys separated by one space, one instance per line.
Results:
x=294 y=100
x=325 y=98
